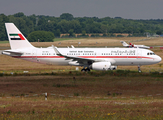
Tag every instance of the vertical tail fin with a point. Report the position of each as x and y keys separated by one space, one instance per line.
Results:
x=16 y=38
x=124 y=43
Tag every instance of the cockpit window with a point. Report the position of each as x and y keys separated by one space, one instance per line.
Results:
x=150 y=53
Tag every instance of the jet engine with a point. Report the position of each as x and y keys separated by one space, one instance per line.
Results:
x=113 y=67
x=102 y=66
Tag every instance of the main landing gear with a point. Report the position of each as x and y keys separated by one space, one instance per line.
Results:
x=85 y=70
x=139 y=68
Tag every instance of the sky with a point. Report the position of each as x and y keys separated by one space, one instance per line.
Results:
x=128 y=9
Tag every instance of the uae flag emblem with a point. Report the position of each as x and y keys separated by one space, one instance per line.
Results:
x=16 y=37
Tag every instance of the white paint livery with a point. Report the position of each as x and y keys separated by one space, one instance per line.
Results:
x=134 y=46
x=16 y=44
x=89 y=58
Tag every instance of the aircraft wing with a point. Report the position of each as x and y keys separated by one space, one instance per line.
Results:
x=142 y=46
x=75 y=58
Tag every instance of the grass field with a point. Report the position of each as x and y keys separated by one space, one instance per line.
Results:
x=102 y=42
x=95 y=42
x=115 y=95
x=96 y=95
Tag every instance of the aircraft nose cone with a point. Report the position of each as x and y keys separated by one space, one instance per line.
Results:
x=158 y=59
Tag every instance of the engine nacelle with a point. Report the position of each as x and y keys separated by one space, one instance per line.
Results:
x=113 y=67
x=101 y=66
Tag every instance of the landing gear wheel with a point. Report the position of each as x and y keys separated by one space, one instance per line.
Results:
x=139 y=69
x=85 y=70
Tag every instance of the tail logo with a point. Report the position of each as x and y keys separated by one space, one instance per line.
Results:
x=16 y=37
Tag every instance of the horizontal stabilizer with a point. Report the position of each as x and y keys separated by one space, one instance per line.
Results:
x=7 y=52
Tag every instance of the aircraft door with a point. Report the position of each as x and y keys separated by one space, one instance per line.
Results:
x=34 y=55
x=139 y=54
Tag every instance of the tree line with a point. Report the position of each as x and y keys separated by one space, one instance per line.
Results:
x=70 y=25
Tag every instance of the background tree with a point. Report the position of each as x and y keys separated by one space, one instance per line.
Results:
x=57 y=33
x=42 y=36
x=3 y=19
x=66 y=16
x=63 y=26
x=83 y=33
x=20 y=14
x=71 y=32
x=93 y=25
x=159 y=32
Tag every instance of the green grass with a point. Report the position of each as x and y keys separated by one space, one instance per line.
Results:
x=2 y=42
x=82 y=109
x=63 y=39
x=56 y=39
x=85 y=88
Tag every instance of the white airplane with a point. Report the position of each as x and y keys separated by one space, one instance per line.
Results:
x=134 y=46
x=88 y=58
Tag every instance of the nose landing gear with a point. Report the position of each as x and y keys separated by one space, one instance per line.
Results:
x=139 y=70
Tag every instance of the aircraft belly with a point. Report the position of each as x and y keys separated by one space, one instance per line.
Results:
x=125 y=61
x=62 y=61
x=134 y=61
x=114 y=61
x=54 y=61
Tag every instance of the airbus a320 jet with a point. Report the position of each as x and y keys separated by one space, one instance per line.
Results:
x=88 y=58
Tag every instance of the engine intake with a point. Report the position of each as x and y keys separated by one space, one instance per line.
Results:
x=102 y=66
